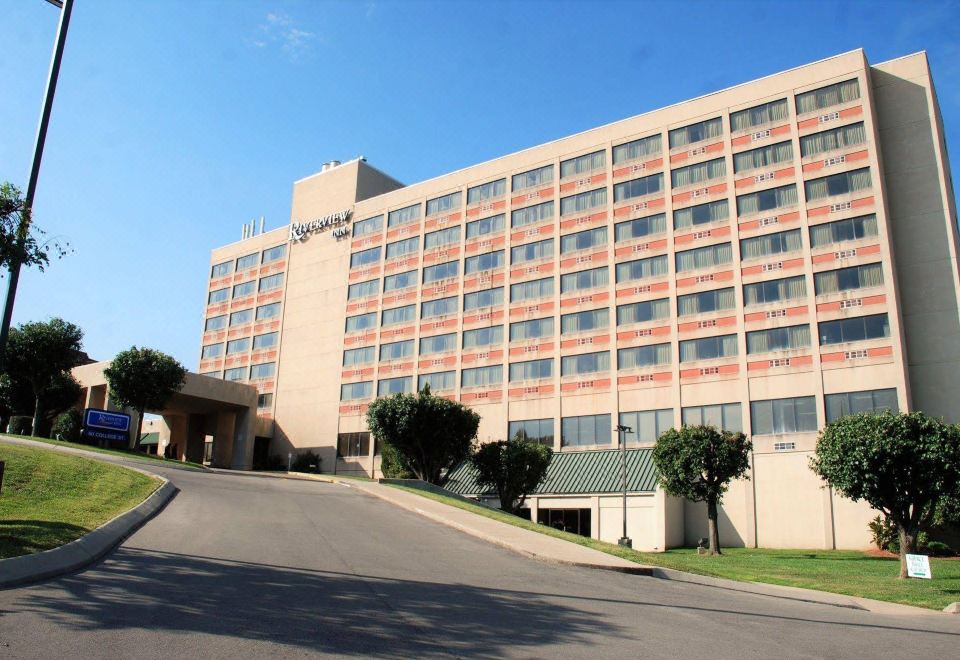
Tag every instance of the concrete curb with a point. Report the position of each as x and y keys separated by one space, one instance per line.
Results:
x=106 y=458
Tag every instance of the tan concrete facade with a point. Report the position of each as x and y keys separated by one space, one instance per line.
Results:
x=812 y=209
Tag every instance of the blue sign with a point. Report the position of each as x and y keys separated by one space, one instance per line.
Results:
x=103 y=419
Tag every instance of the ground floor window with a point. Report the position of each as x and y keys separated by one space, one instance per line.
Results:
x=575 y=521
x=352 y=445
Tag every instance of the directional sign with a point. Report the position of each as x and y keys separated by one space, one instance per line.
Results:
x=105 y=419
x=101 y=434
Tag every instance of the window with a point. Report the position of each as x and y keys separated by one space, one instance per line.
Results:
x=270 y=311
x=238 y=346
x=772 y=291
x=403 y=216
x=219 y=295
x=369 y=226
x=724 y=416
x=583 y=164
x=531 y=290
x=355 y=356
x=704 y=130
x=705 y=257
x=585 y=201
x=584 y=279
x=838 y=184
x=596 y=319
x=361 y=322
x=241 y=317
x=438 y=382
x=531 y=370
x=481 y=299
x=351 y=391
x=585 y=430
x=481 y=262
x=643 y=356
x=532 y=214
x=866 y=401
x=396 y=350
x=400 y=281
x=274 y=254
x=441 y=237
x=846 y=279
x=271 y=282
x=247 y=261
x=397 y=315
x=708 y=348
x=539 y=431
x=244 y=289
x=795 y=415
x=482 y=376
x=532 y=179
x=773 y=154
x=858 y=328
x=637 y=188
x=486 y=191
x=640 y=269
x=445 y=203
x=642 y=148
x=263 y=370
x=698 y=173
x=586 y=363
x=441 y=307
x=851 y=229
x=483 y=337
x=532 y=329
x=219 y=270
x=365 y=257
x=211 y=351
x=235 y=374
x=641 y=312
x=706 y=301
x=215 y=323
x=827 y=96
x=402 y=248
x=438 y=344
x=485 y=226
x=778 y=339
x=352 y=445
x=388 y=386
x=653 y=224
x=771 y=244
x=701 y=214
x=265 y=400
x=443 y=271
x=532 y=251
x=647 y=425
x=363 y=289
x=759 y=115
x=583 y=240
x=835 y=138
x=767 y=200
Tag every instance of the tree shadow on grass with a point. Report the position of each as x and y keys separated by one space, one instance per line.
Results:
x=24 y=537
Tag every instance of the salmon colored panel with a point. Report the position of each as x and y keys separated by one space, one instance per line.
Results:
x=743 y=183
x=820 y=210
x=676 y=158
x=822 y=258
x=743 y=139
x=797 y=311
x=869 y=249
x=875 y=300
x=801 y=360
x=689 y=373
x=832 y=357
x=807 y=123
x=747 y=226
x=857 y=155
x=814 y=166
x=758 y=366
x=722 y=276
x=860 y=203
x=828 y=307
x=851 y=112
x=882 y=351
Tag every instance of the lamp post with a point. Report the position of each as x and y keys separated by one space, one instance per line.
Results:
x=622 y=432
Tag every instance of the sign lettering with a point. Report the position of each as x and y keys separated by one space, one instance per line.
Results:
x=301 y=230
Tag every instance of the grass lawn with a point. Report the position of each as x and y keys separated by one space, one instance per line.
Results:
x=50 y=498
x=132 y=455
x=848 y=572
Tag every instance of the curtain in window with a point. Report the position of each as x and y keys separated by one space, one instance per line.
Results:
x=778 y=339
x=700 y=214
x=643 y=311
x=816 y=189
x=775 y=153
x=837 y=138
x=583 y=201
x=538 y=177
x=482 y=376
x=445 y=203
x=642 y=148
x=531 y=214
x=708 y=348
x=712 y=255
x=654 y=224
x=821 y=234
x=705 y=130
x=403 y=216
x=859 y=179
x=698 y=173
x=762 y=114
x=828 y=96
x=638 y=187
x=643 y=356
x=583 y=164
x=642 y=269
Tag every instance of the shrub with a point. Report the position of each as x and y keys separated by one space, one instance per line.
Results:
x=306 y=461
x=392 y=464
x=883 y=533
x=939 y=549
x=20 y=425
x=67 y=426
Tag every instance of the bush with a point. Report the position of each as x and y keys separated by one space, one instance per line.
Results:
x=939 y=549
x=392 y=464
x=883 y=533
x=307 y=461
x=20 y=425
x=67 y=426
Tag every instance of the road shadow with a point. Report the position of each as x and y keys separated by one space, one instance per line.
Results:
x=24 y=537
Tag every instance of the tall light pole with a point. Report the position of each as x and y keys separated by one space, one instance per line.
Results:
x=13 y=279
x=622 y=432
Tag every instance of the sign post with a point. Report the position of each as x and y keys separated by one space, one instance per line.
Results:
x=106 y=425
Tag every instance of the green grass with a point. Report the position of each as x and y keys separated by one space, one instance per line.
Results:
x=847 y=572
x=50 y=498
x=132 y=455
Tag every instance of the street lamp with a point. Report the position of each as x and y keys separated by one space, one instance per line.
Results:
x=622 y=432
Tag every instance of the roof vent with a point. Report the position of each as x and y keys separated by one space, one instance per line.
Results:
x=329 y=165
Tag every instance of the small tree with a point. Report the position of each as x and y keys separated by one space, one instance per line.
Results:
x=21 y=242
x=698 y=463
x=514 y=468
x=432 y=434
x=392 y=464
x=905 y=465
x=144 y=379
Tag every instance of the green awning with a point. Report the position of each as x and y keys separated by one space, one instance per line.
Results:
x=150 y=439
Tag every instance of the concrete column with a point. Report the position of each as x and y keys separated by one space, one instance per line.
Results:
x=196 y=432
x=243 y=439
x=177 y=434
x=223 y=440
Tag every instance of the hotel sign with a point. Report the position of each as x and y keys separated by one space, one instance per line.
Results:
x=337 y=221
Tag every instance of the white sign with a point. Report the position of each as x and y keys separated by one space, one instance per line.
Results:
x=300 y=230
x=918 y=566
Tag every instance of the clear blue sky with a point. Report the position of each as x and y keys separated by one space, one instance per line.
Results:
x=176 y=121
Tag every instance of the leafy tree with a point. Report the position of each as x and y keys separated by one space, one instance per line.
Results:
x=698 y=463
x=22 y=242
x=514 y=468
x=906 y=465
x=144 y=379
x=392 y=464
x=431 y=434
x=40 y=354
x=67 y=426
x=16 y=398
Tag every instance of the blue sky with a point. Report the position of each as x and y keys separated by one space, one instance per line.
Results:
x=176 y=121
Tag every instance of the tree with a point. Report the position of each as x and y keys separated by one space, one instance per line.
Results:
x=431 y=434
x=144 y=379
x=514 y=468
x=16 y=398
x=40 y=354
x=22 y=242
x=905 y=465
x=698 y=463
x=392 y=464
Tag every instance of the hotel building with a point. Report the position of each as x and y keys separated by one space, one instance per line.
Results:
x=765 y=258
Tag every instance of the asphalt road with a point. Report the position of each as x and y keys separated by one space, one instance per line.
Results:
x=240 y=566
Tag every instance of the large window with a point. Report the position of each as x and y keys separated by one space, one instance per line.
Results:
x=481 y=262
x=771 y=244
x=241 y=317
x=532 y=179
x=583 y=164
x=397 y=315
x=858 y=328
x=708 y=348
x=396 y=350
x=641 y=312
x=835 y=138
x=847 y=279
x=263 y=370
x=539 y=431
x=442 y=204
x=596 y=319
x=440 y=381
x=352 y=391
x=584 y=279
x=389 y=386
x=361 y=322
x=403 y=216
x=704 y=130
x=704 y=257
x=267 y=340
x=485 y=226
x=247 y=261
x=759 y=115
x=583 y=240
x=773 y=154
x=441 y=307
x=531 y=370
x=649 y=226
x=643 y=356
x=641 y=269
x=211 y=351
x=363 y=289
x=586 y=430
x=219 y=270
x=235 y=374
x=774 y=416
x=270 y=311
x=706 y=301
x=244 y=289
x=637 y=188
x=532 y=290
x=400 y=281
x=486 y=191
x=724 y=416
x=838 y=184
x=532 y=214
x=365 y=257
x=701 y=214
x=218 y=296
x=767 y=200
x=698 y=173
x=441 y=237
x=825 y=97
x=274 y=254
x=532 y=329
x=215 y=323
x=839 y=231
x=866 y=401
x=647 y=425
x=586 y=363
x=778 y=339
x=271 y=282
x=368 y=226
x=444 y=271
x=482 y=376
x=531 y=251
x=774 y=291
x=355 y=356
x=438 y=344
x=582 y=202
x=480 y=337
x=402 y=248
x=353 y=445
x=637 y=149
x=482 y=299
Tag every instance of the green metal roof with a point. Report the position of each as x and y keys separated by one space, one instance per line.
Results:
x=150 y=439
x=576 y=473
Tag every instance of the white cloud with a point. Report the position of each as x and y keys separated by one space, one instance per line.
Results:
x=278 y=29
